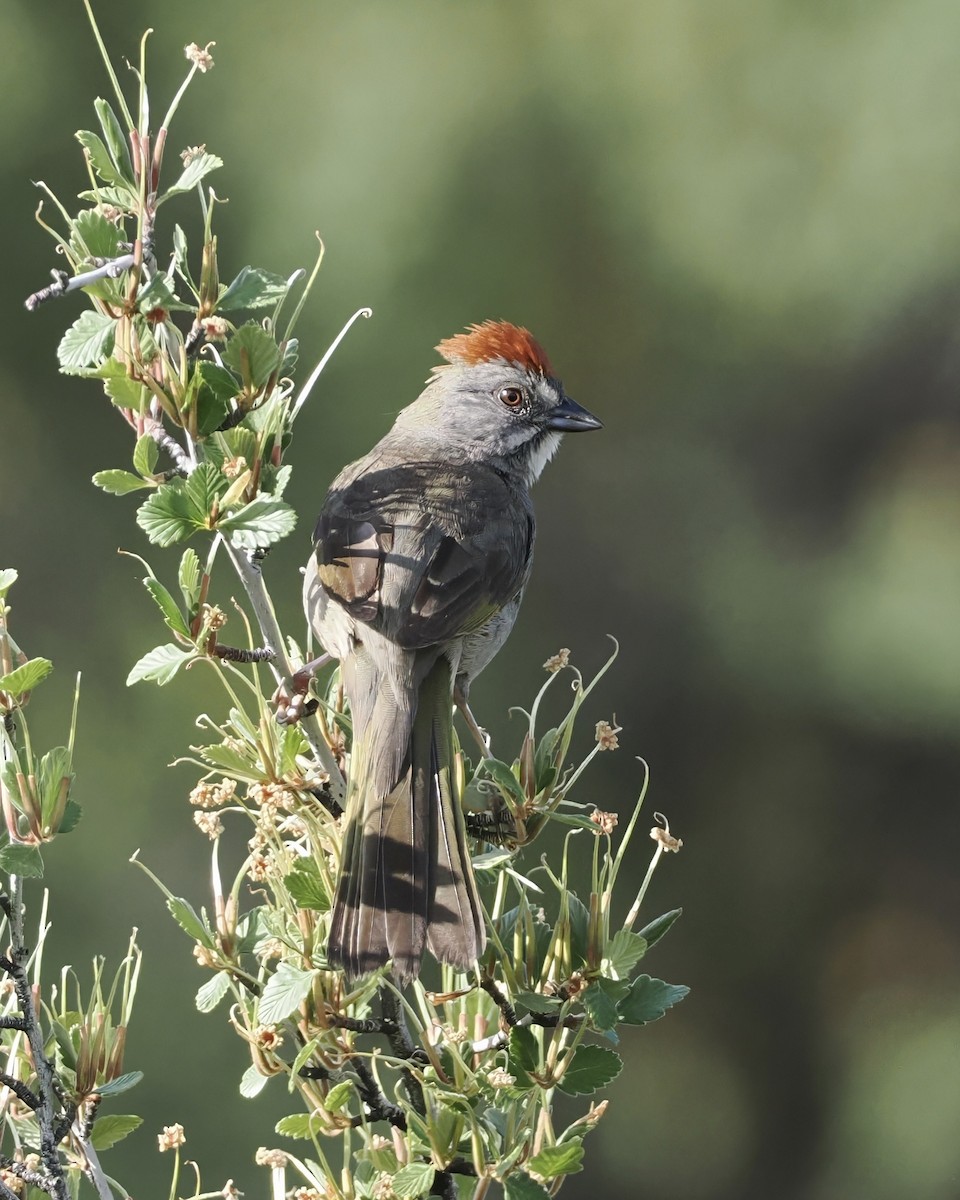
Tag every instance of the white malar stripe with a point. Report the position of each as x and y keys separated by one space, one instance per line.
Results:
x=545 y=449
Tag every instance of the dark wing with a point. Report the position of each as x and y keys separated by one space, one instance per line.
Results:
x=423 y=560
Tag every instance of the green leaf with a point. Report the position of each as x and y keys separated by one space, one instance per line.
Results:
x=565 y=1159
x=623 y=952
x=186 y=917
x=253 y=354
x=157 y=294
x=100 y=158
x=252 y=1083
x=306 y=887
x=145 y=455
x=174 y=511
x=653 y=932
x=119 y=483
x=415 y=1179
x=593 y=1067
x=212 y=992
x=93 y=236
x=298 y=1125
x=579 y=927
x=204 y=487
x=189 y=579
x=519 y=1186
x=523 y=1055
x=601 y=1006
x=262 y=522
x=123 y=391
x=123 y=1083
x=339 y=1096
x=8 y=577
x=172 y=616
x=219 y=379
x=505 y=779
x=87 y=342
x=534 y=1002
x=648 y=999
x=253 y=288
x=115 y=139
x=193 y=172
x=71 y=817
x=119 y=197
x=285 y=990
x=18 y=859
x=26 y=677
x=180 y=258
x=160 y=664
x=109 y=1130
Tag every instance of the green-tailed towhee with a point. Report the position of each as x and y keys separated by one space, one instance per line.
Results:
x=422 y=552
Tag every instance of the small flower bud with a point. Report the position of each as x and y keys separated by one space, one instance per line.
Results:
x=209 y=823
x=270 y=1158
x=606 y=821
x=499 y=1078
x=234 y=466
x=267 y=1038
x=215 y=329
x=202 y=59
x=607 y=735
x=204 y=956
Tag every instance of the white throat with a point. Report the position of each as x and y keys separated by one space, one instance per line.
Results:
x=546 y=448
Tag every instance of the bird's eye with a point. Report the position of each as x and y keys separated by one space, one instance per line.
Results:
x=512 y=397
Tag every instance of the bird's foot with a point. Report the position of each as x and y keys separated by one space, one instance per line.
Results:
x=292 y=698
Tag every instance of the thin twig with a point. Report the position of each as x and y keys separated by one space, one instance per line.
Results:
x=63 y=283
x=252 y=579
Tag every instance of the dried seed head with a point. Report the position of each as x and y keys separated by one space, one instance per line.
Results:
x=234 y=466
x=383 y=1188
x=212 y=795
x=499 y=1078
x=187 y=156
x=556 y=662
x=661 y=833
x=215 y=329
x=209 y=823
x=270 y=1158
x=202 y=59
x=204 y=956
x=230 y=1191
x=607 y=734
x=171 y=1138
x=213 y=617
x=605 y=821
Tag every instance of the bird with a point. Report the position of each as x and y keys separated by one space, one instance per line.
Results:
x=420 y=558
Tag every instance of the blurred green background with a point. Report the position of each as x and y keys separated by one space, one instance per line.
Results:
x=736 y=228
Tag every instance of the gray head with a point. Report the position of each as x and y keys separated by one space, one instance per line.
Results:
x=497 y=400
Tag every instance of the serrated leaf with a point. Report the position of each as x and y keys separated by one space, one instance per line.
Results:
x=109 y=1130
x=188 y=577
x=124 y=392
x=169 y=515
x=93 y=236
x=212 y=992
x=253 y=288
x=100 y=158
x=172 y=615
x=203 y=489
x=653 y=932
x=119 y=197
x=114 y=138
x=519 y=1186
x=26 y=677
x=579 y=927
x=8 y=577
x=523 y=1055
x=565 y=1159
x=186 y=917
x=230 y=760
x=338 y=1097
x=65 y=1043
x=119 y=483
x=623 y=952
x=71 y=817
x=18 y=859
x=253 y=354
x=123 y=1083
x=87 y=342
x=218 y=379
x=415 y=1179
x=283 y=994
x=160 y=664
x=193 y=172
x=648 y=999
x=306 y=887
x=297 y=1125
x=252 y=1083
x=145 y=455
x=593 y=1067
x=601 y=1007
x=262 y=522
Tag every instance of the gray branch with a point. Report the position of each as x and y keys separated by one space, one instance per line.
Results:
x=110 y=268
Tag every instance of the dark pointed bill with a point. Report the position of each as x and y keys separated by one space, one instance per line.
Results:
x=571 y=417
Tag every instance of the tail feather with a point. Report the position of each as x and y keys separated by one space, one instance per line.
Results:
x=405 y=876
